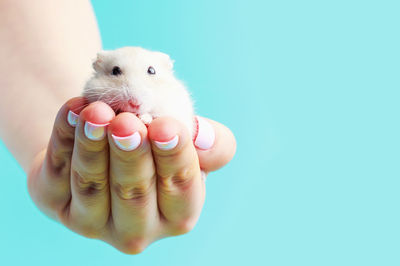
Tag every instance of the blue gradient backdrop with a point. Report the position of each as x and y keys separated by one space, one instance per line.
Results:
x=311 y=91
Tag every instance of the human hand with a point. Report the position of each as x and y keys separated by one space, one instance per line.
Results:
x=87 y=180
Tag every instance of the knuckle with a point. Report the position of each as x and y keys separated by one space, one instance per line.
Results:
x=89 y=157
x=138 y=193
x=134 y=246
x=58 y=165
x=90 y=231
x=184 y=227
x=89 y=146
x=58 y=159
x=89 y=183
x=65 y=135
x=181 y=179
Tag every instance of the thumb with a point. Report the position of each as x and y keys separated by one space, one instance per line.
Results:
x=215 y=144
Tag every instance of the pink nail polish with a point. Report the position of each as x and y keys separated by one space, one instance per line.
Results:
x=128 y=143
x=95 y=132
x=167 y=145
x=206 y=135
x=72 y=118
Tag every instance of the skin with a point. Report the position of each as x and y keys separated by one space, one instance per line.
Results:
x=127 y=199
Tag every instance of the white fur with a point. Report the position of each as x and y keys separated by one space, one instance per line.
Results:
x=155 y=95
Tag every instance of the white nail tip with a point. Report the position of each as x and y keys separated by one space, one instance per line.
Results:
x=128 y=143
x=72 y=118
x=206 y=134
x=95 y=131
x=167 y=145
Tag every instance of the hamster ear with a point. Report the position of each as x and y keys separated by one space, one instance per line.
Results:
x=102 y=55
x=169 y=63
x=97 y=63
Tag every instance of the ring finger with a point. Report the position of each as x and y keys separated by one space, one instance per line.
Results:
x=88 y=211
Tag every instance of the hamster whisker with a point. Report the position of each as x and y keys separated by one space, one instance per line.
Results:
x=100 y=95
x=101 y=89
x=111 y=101
x=115 y=100
x=103 y=96
x=127 y=92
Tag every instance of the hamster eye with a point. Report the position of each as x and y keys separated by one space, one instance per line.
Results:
x=116 y=71
x=151 y=70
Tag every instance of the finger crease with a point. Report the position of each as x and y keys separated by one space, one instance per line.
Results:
x=90 y=185
x=137 y=193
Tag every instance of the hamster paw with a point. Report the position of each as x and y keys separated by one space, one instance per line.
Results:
x=146 y=118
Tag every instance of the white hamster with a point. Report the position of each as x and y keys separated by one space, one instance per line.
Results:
x=136 y=80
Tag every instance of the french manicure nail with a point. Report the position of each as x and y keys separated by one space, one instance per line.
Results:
x=205 y=136
x=128 y=143
x=95 y=131
x=167 y=145
x=72 y=118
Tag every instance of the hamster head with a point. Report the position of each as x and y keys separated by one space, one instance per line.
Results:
x=132 y=79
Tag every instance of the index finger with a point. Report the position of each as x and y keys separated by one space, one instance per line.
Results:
x=50 y=188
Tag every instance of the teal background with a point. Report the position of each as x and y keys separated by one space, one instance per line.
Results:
x=311 y=91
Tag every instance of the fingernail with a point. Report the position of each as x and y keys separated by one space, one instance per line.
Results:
x=128 y=143
x=95 y=131
x=72 y=118
x=167 y=145
x=205 y=135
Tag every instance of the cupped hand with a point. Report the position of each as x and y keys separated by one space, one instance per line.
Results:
x=109 y=177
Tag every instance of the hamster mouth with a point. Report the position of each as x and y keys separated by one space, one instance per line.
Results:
x=129 y=106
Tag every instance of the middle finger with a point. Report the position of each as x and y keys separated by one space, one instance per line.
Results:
x=132 y=180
